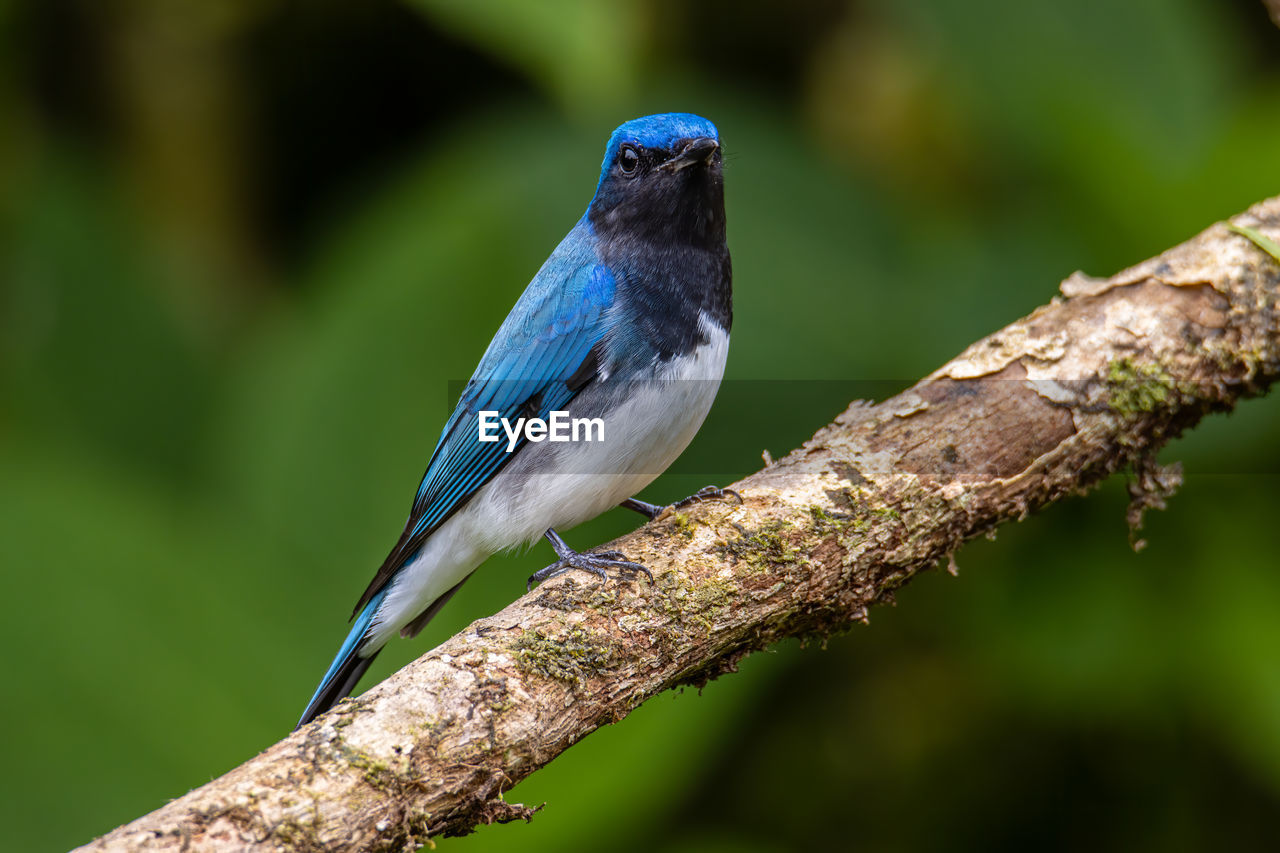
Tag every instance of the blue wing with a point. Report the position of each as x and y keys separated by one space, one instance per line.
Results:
x=547 y=350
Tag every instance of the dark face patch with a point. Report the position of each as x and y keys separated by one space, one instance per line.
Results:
x=662 y=234
x=638 y=198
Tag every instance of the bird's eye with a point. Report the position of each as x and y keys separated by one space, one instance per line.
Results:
x=628 y=160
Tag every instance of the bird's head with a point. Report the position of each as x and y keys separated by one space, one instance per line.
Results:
x=661 y=180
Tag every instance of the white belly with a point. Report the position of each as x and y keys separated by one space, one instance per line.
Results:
x=647 y=424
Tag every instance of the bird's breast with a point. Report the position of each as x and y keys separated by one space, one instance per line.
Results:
x=646 y=420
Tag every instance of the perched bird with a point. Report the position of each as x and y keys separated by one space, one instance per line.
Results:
x=627 y=322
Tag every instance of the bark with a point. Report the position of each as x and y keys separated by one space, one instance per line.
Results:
x=1273 y=9
x=1095 y=381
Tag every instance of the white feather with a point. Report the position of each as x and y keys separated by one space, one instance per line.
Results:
x=559 y=485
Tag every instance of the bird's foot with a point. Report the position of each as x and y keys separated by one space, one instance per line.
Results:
x=706 y=493
x=598 y=563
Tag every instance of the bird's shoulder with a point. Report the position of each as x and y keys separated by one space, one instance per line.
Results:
x=566 y=305
x=545 y=352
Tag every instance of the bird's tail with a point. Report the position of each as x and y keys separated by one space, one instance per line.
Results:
x=347 y=667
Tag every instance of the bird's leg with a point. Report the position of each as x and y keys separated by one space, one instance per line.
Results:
x=706 y=493
x=646 y=509
x=597 y=564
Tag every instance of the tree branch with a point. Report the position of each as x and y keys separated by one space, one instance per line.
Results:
x=1096 y=380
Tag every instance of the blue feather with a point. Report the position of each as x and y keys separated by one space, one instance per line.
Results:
x=656 y=131
x=640 y=289
x=550 y=332
x=346 y=668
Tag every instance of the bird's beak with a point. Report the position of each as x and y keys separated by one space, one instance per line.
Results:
x=695 y=151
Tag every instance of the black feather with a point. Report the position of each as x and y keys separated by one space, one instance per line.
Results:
x=343 y=682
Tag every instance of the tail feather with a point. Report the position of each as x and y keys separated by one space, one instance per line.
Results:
x=347 y=667
x=420 y=621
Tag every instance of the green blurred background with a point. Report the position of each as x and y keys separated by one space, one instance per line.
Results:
x=246 y=246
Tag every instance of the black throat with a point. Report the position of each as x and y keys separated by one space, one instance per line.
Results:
x=663 y=237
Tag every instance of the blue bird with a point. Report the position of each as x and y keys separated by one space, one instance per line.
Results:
x=624 y=330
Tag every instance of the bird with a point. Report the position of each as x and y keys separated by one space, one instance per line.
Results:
x=626 y=325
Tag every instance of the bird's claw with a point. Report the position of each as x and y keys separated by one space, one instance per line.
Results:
x=656 y=511
x=707 y=493
x=597 y=564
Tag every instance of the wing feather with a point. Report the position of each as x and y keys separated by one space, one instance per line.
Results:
x=547 y=351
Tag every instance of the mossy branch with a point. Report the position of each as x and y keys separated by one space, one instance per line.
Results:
x=1093 y=382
